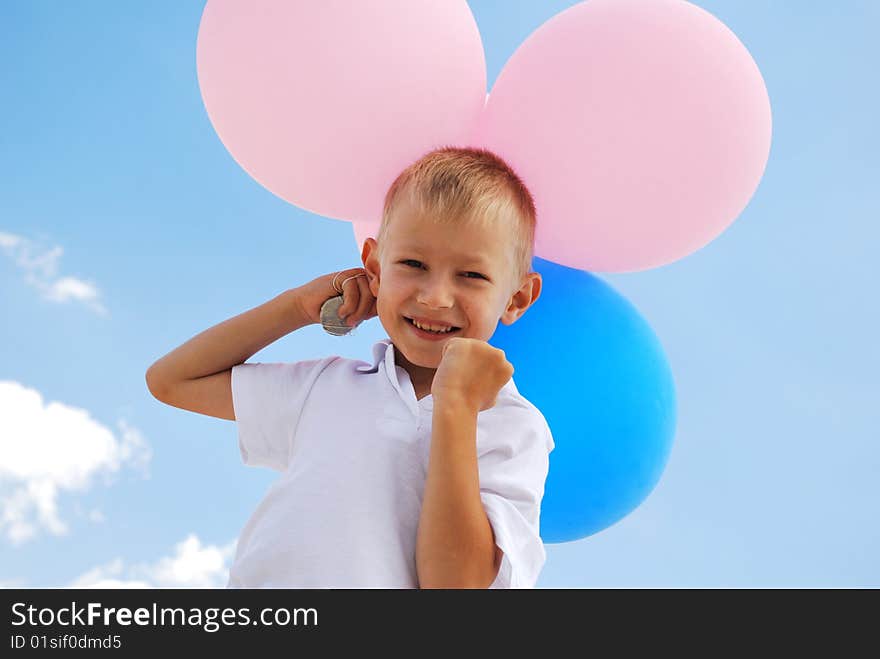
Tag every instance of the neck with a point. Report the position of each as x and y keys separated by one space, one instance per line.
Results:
x=421 y=376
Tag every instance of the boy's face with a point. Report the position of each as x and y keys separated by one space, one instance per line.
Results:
x=457 y=275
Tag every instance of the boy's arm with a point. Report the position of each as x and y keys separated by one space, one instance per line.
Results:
x=197 y=376
x=455 y=545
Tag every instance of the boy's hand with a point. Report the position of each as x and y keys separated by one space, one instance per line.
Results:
x=358 y=300
x=470 y=372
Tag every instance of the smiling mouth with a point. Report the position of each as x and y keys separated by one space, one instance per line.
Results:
x=452 y=330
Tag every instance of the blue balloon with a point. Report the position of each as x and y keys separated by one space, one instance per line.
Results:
x=596 y=370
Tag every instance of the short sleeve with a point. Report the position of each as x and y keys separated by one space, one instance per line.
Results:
x=512 y=475
x=267 y=400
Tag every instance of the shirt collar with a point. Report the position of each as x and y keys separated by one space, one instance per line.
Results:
x=383 y=360
x=380 y=349
x=383 y=357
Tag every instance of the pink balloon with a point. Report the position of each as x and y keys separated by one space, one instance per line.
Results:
x=642 y=128
x=364 y=230
x=324 y=103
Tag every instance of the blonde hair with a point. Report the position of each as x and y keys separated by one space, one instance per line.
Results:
x=464 y=184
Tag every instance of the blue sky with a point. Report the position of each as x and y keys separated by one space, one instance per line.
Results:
x=126 y=228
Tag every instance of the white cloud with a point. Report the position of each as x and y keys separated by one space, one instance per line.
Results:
x=40 y=266
x=69 y=288
x=191 y=565
x=47 y=449
x=7 y=240
x=105 y=576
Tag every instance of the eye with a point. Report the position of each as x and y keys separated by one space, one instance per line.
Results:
x=468 y=275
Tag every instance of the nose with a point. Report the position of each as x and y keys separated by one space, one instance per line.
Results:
x=435 y=294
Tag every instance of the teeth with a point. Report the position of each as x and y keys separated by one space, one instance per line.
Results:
x=432 y=328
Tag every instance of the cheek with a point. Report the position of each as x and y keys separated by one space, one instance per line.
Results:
x=387 y=304
x=391 y=291
x=489 y=312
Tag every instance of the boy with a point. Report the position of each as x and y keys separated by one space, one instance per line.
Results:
x=425 y=469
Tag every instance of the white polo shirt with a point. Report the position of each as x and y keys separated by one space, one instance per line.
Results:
x=352 y=443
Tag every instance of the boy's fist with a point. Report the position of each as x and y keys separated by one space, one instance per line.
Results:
x=358 y=301
x=470 y=371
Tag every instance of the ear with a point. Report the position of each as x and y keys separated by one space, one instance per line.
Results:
x=370 y=258
x=523 y=298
